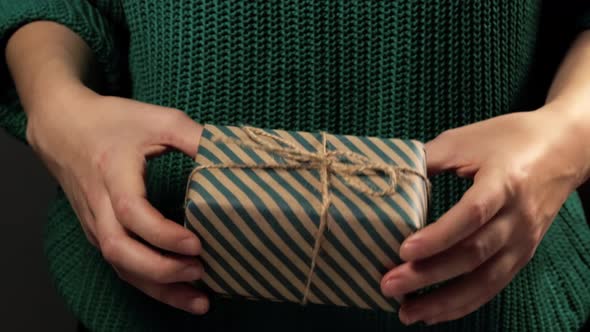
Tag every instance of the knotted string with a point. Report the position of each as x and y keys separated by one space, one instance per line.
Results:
x=347 y=164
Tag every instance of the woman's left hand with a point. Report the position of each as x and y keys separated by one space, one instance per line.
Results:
x=524 y=166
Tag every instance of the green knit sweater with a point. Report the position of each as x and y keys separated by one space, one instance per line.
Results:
x=398 y=68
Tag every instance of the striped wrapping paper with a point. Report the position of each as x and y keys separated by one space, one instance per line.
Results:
x=259 y=226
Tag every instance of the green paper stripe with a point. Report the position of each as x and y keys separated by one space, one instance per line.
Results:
x=219 y=258
x=388 y=159
x=258 y=203
x=388 y=199
x=263 y=185
x=417 y=153
x=349 y=231
x=383 y=217
x=288 y=212
x=209 y=270
x=405 y=217
x=393 y=147
x=350 y=234
x=240 y=236
x=218 y=279
x=377 y=238
x=227 y=245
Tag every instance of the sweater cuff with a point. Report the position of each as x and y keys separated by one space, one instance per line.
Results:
x=79 y=16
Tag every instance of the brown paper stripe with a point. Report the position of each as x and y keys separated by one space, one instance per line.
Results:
x=344 y=143
x=222 y=281
x=207 y=240
x=274 y=197
x=256 y=270
x=264 y=264
x=380 y=151
x=251 y=194
x=295 y=190
x=268 y=249
x=411 y=152
x=335 y=227
x=329 y=283
x=415 y=162
x=373 y=227
x=389 y=201
x=406 y=194
x=351 y=238
x=298 y=182
x=402 y=206
x=257 y=236
x=385 y=218
x=373 y=280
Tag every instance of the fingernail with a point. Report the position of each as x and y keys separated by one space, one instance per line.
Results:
x=189 y=246
x=410 y=244
x=410 y=249
x=193 y=272
x=389 y=286
x=199 y=305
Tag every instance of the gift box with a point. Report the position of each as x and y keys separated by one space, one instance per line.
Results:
x=301 y=216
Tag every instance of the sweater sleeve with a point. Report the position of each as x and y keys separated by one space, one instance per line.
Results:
x=92 y=24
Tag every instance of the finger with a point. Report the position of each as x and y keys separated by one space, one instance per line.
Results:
x=126 y=188
x=178 y=295
x=478 y=205
x=470 y=291
x=462 y=258
x=440 y=154
x=180 y=132
x=124 y=252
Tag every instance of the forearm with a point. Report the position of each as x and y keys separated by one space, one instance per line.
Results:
x=572 y=81
x=46 y=58
x=570 y=93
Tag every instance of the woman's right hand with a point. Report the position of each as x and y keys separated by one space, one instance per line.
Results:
x=96 y=147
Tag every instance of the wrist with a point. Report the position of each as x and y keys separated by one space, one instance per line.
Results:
x=572 y=118
x=56 y=94
x=63 y=99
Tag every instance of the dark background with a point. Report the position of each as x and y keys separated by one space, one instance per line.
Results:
x=29 y=301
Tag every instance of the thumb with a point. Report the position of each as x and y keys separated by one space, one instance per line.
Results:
x=440 y=154
x=184 y=135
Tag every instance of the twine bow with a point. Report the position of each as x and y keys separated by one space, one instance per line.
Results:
x=347 y=164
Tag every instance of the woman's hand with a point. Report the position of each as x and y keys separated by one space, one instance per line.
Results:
x=524 y=166
x=97 y=147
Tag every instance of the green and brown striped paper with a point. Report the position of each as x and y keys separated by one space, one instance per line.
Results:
x=258 y=225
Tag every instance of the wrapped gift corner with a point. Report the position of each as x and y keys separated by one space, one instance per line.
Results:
x=304 y=217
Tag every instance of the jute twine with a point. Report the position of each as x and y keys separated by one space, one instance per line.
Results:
x=347 y=164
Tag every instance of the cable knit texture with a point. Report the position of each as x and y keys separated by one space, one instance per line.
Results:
x=406 y=68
